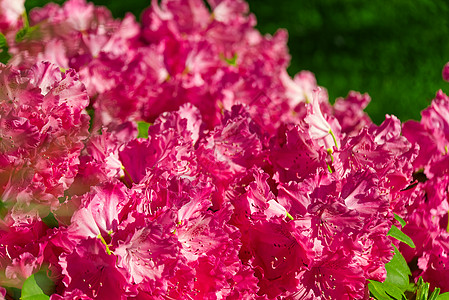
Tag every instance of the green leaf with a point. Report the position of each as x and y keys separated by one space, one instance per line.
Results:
x=444 y=296
x=393 y=291
x=423 y=291
x=232 y=61
x=399 y=235
x=20 y=35
x=3 y=42
x=5 y=207
x=34 y=285
x=434 y=294
x=397 y=281
x=398 y=271
x=50 y=221
x=13 y=292
x=385 y=290
x=142 y=128
x=400 y=220
x=4 y=54
x=377 y=290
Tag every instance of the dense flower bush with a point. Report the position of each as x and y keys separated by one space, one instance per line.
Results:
x=177 y=159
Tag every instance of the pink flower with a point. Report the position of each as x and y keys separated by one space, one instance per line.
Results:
x=92 y=271
x=76 y=294
x=148 y=254
x=320 y=129
x=334 y=275
x=293 y=155
x=446 y=72
x=21 y=251
x=349 y=113
x=169 y=148
x=47 y=107
x=277 y=254
x=11 y=15
x=435 y=264
x=100 y=212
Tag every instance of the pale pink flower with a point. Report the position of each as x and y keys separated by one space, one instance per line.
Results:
x=11 y=15
x=319 y=128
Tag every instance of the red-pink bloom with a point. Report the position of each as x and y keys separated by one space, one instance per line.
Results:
x=349 y=113
x=21 y=251
x=100 y=212
x=20 y=269
x=293 y=155
x=47 y=108
x=91 y=270
x=446 y=72
x=277 y=254
x=300 y=89
x=381 y=148
x=75 y=294
x=334 y=275
x=147 y=253
x=243 y=284
x=435 y=264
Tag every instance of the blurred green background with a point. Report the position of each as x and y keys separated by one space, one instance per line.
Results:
x=392 y=49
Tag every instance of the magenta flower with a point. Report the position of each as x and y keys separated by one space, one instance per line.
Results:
x=100 y=212
x=446 y=72
x=349 y=113
x=93 y=271
x=335 y=275
x=45 y=124
x=250 y=184
x=148 y=254
x=294 y=157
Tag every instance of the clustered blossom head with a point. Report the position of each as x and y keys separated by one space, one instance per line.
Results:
x=248 y=184
x=426 y=203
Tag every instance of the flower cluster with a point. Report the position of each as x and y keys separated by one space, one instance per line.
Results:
x=243 y=184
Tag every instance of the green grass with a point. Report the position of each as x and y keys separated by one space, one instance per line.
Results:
x=392 y=49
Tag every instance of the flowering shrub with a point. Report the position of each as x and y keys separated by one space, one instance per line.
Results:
x=176 y=159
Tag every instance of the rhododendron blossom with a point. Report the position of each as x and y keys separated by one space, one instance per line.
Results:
x=177 y=159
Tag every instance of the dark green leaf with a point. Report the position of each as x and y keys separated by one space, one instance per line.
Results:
x=4 y=54
x=3 y=42
x=44 y=282
x=142 y=128
x=399 y=235
x=50 y=221
x=5 y=207
x=400 y=220
x=13 y=292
